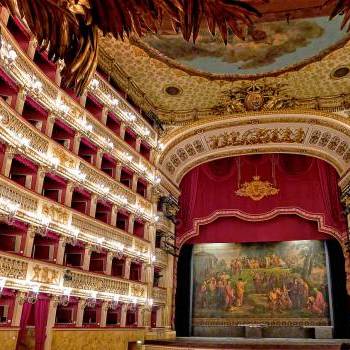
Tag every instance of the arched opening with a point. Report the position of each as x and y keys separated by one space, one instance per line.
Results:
x=251 y=226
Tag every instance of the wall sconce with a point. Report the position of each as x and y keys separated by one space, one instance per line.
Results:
x=7 y=54
x=64 y=298
x=78 y=174
x=61 y=107
x=91 y=301
x=94 y=84
x=130 y=117
x=34 y=85
x=10 y=208
x=32 y=296
x=45 y=223
x=114 y=303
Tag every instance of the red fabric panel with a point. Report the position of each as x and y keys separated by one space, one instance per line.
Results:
x=281 y=228
x=306 y=184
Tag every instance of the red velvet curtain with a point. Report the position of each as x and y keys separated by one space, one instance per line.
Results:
x=306 y=185
x=27 y=307
x=41 y=312
x=41 y=316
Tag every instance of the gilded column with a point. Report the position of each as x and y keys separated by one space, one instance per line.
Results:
x=10 y=152
x=104 y=311
x=76 y=143
x=131 y=223
x=122 y=130
x=40 y=180
x=93 y=203
x=28 y=248
x=80 y=312
x=126 y=271
x=69 y=194
x=86 y=258
x=49 y=125
x=17 y=312
x=114 y=214
x=109 y=261
x=99 y=156
x=33 y=44
x=60 y=250
x=4 y=15
x=50 y=322
x=20 y=99
x=104 y=115
x=124 y=310
x=138 y=144
x=118 y=170
x=135 y=179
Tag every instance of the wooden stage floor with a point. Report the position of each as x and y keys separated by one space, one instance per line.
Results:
x=247 y=344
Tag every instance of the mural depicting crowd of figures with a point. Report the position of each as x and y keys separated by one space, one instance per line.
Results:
x=271 y=283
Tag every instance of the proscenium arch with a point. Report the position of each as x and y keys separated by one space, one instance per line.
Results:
x=321 y=135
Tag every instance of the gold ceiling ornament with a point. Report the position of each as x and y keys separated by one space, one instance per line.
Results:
x=257 y=189
x=255 y=97
x=69 y=28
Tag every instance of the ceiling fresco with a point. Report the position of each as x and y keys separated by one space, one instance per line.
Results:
x=268 y=47
x=296 y=58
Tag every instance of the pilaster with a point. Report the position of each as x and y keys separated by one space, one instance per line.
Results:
x=20 y=99
x=40 y=180
x=28 y=248
x=126 y=271
x=124 y=310
x=86 y=258
x=50 y=322
x=10 y=153
x=80 y=312
x=60 y=250
x=49 y=125
x=76 y=143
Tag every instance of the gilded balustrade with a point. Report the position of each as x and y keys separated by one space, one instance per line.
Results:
x=159 y=295
x=21 y=273
x=68 y=222
x=13 y=128
x=161 y=257
x=24 y=71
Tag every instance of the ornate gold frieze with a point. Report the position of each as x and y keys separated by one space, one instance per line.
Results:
x=16 y=195
x=137 y=290
x=95 y=228
x=257 y=136
x=64 y=158
x=44 y=274
x=257 y=189
x=13 y=268
x=55 y=213
x=254 y=97
x=159 y=295
x=99 y=284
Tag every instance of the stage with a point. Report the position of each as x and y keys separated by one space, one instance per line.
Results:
x=198 y=343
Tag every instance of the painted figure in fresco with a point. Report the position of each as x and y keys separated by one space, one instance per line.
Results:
x=240 y=288
x=203 y=295
x=317 y=303
x=220 y=295
x=230 y=293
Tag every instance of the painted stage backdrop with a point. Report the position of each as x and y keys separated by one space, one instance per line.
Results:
x=277 y=284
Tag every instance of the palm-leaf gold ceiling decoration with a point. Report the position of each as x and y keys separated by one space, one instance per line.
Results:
x=69 y=28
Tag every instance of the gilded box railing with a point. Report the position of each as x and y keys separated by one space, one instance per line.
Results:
x=23 y=70
x=13 y=268
x=159 y=295
x=161 y=257
x=21 y=272
x=63 y=219
x=13 y=124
